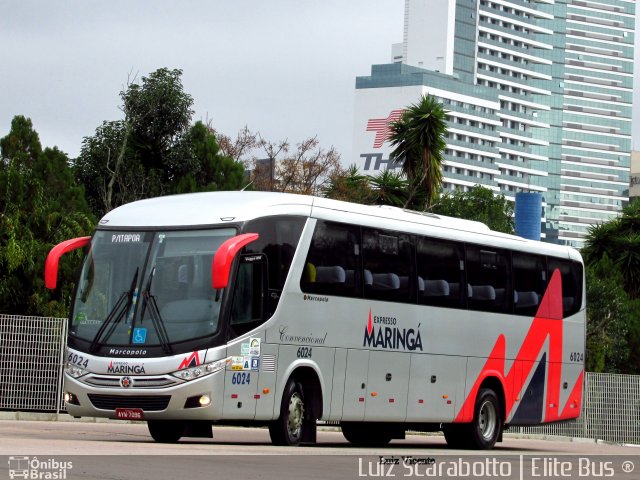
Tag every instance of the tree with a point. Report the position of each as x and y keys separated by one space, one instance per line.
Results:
x=619 y=239
x=418 y=138
x=159 y=112
x=153 y=150
x=275 y=166
x=389 y=188
x=609 y=317
x=40 y=206
x=349 y=185
x=480 y=204
x=612 y=251
x=214 y=171
x=240 y=148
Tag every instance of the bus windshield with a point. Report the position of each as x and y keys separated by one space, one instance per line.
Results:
x=147 y=288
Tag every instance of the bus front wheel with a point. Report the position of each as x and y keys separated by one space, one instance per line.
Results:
x=166 y=431
x=289 y=428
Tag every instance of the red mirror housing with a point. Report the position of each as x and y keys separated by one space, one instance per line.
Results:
x=51 y=265
x=223 y=259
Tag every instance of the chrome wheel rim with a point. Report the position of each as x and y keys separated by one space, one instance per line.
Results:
x=487 y=420
x=295 y=417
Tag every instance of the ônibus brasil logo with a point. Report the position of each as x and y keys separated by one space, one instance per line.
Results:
x=382 y=332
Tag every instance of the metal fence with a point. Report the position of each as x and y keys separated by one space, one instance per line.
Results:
x=611 y=411
x=32 y=358
x=31 y=362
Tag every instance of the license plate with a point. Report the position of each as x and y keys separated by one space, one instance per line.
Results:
x=129 y=413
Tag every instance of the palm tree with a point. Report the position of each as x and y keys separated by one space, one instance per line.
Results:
x=389 y=188
x=418 y=139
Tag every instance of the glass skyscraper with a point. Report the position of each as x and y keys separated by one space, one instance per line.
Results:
x=539 y=95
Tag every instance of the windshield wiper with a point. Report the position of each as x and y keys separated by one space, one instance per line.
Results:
x=156 y=318
x=116 y=314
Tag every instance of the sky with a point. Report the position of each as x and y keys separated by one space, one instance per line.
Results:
x=285 y=68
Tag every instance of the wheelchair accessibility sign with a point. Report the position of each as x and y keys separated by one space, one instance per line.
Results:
x=139 y=335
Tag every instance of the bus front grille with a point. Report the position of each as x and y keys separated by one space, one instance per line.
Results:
x=149 y=403
x=138 y=382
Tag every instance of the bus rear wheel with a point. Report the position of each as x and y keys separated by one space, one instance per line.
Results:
x=483 y=432
x=289 y=428
x=487 y=420
x=363 y=435
x=166 y=431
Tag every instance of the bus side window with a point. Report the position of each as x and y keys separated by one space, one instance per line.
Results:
x=278 y=240
x=571 y=284
x=332 y=266
x=440 y=273
x=247 y=309
x=389 y=266
x=529 y=282
x=488 y=273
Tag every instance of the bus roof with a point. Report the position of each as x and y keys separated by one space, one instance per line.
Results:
x=219 y=208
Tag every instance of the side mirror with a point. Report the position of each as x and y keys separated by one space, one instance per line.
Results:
x=51 y=265
x=223 y=259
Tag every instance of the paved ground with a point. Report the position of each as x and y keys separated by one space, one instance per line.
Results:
x=124 y=450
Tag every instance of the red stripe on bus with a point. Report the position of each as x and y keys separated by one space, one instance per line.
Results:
x=547 y=324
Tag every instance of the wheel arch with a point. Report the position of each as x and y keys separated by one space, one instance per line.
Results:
x=495 y=384
x=308 y=375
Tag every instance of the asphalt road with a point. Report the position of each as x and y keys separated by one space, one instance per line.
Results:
x=123 y=450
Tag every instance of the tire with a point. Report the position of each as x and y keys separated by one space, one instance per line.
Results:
x=166 y=431
x=364 y=435
x=288 y=430
x=485 y=429
x=487 y=420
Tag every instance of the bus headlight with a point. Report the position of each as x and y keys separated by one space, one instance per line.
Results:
x=74 y=372
x=201 y=370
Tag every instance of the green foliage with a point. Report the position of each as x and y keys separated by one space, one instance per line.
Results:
x=619 y=239
x=40 y=206
x=609 y=315
x=390 y=188
x=153 y=151
x=612 y=255
x=159 y=112
x=212 y=171
x=419 y=142
x=480 y=204
x=350 y=186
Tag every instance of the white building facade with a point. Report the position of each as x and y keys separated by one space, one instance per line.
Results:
x=539 y=95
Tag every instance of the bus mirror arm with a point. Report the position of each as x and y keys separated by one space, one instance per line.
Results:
x=218 y=294
x=223 y=258
x=51 y=264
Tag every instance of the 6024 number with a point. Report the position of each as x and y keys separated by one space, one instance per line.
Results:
x=576 y=357
x=241 y=378
x=304 y=352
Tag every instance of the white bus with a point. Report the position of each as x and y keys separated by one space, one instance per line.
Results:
x=284 y=310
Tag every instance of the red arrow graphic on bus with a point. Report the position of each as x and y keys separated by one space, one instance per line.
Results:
x=547 y=327
x=192 y=360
